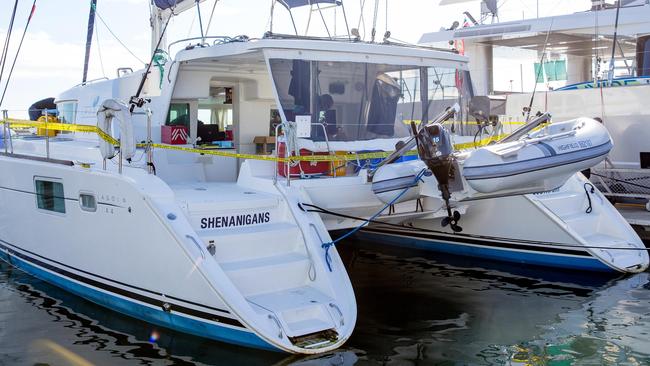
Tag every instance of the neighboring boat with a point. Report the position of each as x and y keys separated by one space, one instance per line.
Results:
x=570 y=226
x=622 y=81
x=596 y=63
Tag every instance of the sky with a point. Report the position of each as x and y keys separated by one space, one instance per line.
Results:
x=51 y=58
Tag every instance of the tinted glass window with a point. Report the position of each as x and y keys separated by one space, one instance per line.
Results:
x=88 y=202
x=49 y=196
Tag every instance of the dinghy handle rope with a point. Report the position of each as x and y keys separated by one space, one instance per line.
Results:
x=328 y=245
x=591 y=190
x=320 y=210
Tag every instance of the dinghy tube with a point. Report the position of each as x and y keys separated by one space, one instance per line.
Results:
x=552 y=154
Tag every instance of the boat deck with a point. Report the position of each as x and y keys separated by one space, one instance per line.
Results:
x=202 y=195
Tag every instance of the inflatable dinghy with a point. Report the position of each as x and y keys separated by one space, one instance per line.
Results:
x=553 y=154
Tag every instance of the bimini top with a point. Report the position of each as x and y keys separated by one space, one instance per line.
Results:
x=325 y=50
x=298 y=3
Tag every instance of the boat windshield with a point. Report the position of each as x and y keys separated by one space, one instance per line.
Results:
x=352 y=101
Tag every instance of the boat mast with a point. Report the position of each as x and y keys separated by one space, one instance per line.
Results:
x=89 y=38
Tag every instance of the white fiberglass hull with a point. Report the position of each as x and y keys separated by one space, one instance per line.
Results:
x=140 y=254
x=548 y=229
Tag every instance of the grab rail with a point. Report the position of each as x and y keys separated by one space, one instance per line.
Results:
x=287 y=154
x=197 y=245
x=523 y=130
x=5 y=130
x=335 y=307
x=277 y=323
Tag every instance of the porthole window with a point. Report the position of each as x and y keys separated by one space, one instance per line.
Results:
x=49 y=195
x=88 y=202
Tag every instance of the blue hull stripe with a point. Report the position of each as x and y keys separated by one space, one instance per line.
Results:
x=532 y=255
x=108 y=285
x=135 y=308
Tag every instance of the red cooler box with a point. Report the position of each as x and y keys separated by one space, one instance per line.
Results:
x=174 y=135
x=307 y=167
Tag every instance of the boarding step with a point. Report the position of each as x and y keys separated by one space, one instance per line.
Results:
x=582 y=223
x=563 y=203
x=268 y=274
x=624 y=258
x=221 y=206
x=253 y=242
x=301 y=310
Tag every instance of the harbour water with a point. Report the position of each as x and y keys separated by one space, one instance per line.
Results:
x=414 y=308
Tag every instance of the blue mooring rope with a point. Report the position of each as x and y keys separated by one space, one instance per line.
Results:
x=328 y=245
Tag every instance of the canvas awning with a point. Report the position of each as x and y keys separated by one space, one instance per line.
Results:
x=290 y=4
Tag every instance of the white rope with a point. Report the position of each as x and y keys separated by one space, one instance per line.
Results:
x=99 y=50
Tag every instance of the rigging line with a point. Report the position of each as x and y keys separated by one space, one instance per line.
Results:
x=324 y=22
x=207 y=29
x=622 y=181
x=362 y=4
x=308 y=18
x=541 y=68
x=189 y=30
x=99 y=51
x=29 y=19
x=374 y=22
x=117 y=38
x=5 y=48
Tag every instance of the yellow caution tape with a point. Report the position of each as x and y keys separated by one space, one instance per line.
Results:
x=207 y=151
x=417 y=122
x=57 y=126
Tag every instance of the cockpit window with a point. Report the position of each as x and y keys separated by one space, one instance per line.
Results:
x=350 y=101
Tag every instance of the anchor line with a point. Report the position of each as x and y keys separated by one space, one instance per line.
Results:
x=328 y=245
x=372 y=220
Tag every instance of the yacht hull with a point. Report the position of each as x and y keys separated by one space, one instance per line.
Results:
x=570 y=227
x=201 y=323
x=499 y=249
x=140 y=251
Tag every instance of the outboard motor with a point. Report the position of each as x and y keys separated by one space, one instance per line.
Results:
x=435 y=150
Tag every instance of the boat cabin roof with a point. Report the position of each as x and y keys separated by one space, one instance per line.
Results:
x=253 y=54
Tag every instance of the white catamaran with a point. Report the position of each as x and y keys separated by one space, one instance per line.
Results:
x=167 y=216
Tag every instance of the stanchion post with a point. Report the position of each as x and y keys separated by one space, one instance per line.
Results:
x=149 y=143
x=5 y=129
x=47 y=134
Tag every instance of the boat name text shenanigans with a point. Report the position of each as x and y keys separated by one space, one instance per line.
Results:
x=236 y=220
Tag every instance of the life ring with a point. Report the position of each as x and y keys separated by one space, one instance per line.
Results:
x=110 y=109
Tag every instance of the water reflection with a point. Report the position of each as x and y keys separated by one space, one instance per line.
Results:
x=612 y=328
x=414 y=308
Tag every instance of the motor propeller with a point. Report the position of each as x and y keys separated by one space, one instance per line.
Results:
x=452 y=221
